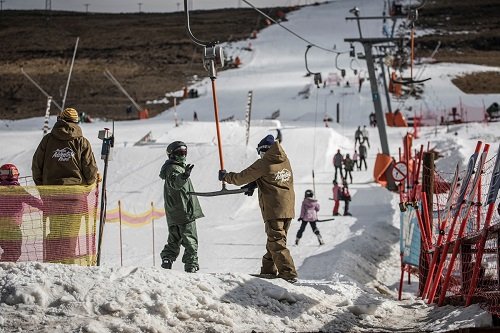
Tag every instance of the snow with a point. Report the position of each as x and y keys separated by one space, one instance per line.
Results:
x=348 y=284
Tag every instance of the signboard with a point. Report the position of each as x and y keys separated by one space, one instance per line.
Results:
x=399 y=171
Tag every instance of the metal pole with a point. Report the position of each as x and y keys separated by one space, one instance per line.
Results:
x=70 y=71
x=113 y=80
x=47 y=114
x=379 y=113
x=338 y=113
x=39 y=88
x=175 y=112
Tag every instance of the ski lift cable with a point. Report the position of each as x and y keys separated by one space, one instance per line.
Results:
x=291 y=31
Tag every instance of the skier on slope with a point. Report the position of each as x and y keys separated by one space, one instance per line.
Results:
x=358 y=135
x=308 y=214
x=363 y=153
x=348 y=167
x=181 y=208
x=273 y=176
x=365 y=133
x=336 y=197
x=346 y=197
x=338 y=160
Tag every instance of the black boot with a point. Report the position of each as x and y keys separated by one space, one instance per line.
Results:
x=167 y=263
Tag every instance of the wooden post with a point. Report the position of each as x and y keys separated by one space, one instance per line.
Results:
x=428 y=189
x=121 y=243
x=153 y=227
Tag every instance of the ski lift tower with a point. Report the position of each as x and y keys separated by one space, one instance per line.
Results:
x=368 y=44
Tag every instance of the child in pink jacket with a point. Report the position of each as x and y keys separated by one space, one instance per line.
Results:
x=308 y=214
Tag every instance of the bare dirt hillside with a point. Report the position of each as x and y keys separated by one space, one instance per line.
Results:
x=151 y=54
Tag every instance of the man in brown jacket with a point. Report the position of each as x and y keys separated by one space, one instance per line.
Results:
x=64 y=157
x=272 y=174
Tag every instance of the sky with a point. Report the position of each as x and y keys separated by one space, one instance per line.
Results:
x=119 y=6
x=348 y=284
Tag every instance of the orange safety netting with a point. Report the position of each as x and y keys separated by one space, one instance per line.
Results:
x=465 y=235
x=48 y=223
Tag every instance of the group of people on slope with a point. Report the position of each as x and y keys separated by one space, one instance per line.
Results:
x=63 y=157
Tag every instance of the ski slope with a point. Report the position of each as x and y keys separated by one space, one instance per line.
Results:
x=348 y=284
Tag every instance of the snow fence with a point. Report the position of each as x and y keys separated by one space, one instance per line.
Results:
x=54 y=224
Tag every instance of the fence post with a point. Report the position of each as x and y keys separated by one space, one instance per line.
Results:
x=153 y=227
x=121 y=243
x=428 y=189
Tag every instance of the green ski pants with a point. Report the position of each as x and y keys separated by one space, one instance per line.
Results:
x=187 y=236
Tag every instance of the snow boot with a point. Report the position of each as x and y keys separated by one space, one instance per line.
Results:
x=347 y=214
x=290 y=280
x=167 y=263
x=192 y=269
x=297 y=241
x=320 y=239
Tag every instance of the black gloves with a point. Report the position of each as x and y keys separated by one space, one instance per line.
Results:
x=300 y=219
x=222 y=173
x=187 y=171
x=250 y=187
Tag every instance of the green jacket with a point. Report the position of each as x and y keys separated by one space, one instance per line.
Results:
x=64 y=157
x=274 y=177
x=180 y=207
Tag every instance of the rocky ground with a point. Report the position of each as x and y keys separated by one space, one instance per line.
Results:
x=151 y=54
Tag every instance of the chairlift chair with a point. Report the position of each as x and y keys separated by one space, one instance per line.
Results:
x=412 y=16
x=317 y=76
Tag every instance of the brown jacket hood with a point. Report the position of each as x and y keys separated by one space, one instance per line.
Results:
x=64 y=157
x=65 y=131
x=274 y=177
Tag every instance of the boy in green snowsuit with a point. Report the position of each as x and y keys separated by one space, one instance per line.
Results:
x=181 y=208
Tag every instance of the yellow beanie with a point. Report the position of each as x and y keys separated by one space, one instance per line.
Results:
x=70 y=114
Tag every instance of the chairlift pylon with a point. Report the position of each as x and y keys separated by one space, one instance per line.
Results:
x=213 y=58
